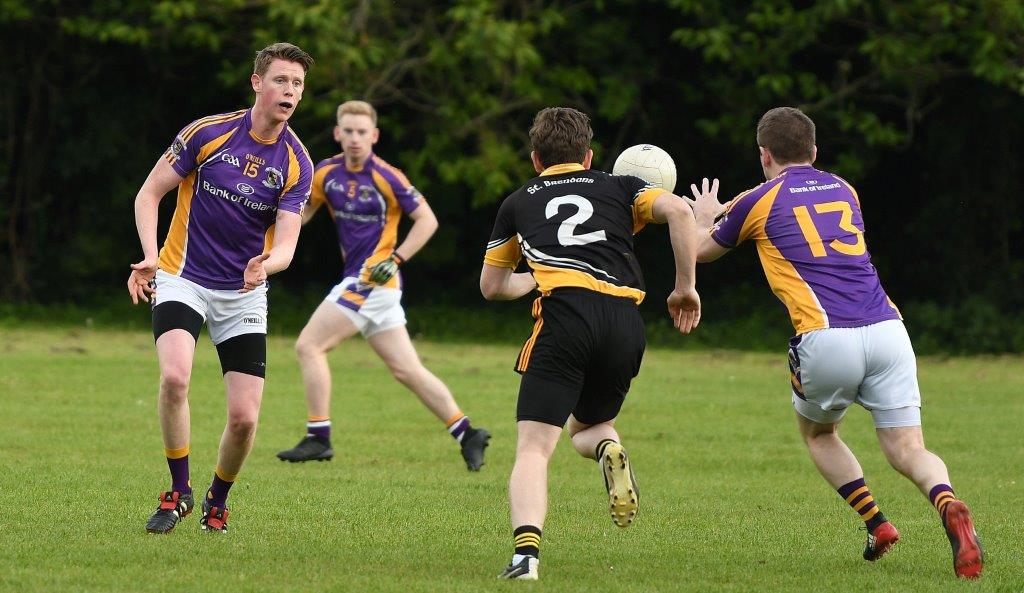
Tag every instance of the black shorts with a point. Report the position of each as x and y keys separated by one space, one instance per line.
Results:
x=585 y=349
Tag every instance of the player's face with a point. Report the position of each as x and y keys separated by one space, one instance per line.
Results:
x=279 y=90
x=357 y=135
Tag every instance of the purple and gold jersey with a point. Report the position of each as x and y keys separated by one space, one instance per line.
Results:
x=234 y=183
x=366 y=206
x=809 y=232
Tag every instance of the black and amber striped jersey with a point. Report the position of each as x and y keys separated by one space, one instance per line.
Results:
x=575 y=226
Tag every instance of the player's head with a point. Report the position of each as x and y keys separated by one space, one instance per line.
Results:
x=278 y=77
x=560 y=135
x=785 y=136
x=357 y=130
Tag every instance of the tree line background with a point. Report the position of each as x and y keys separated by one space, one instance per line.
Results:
x=918 y=103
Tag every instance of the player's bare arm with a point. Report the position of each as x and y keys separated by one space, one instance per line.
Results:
x=683 y=302
x=424 y=225
x=162 y=179
x=311 y=208
x=503 y=284
x=286 y=235
x=706 y=209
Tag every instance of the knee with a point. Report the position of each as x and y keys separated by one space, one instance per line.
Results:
x=403 y=372
x=900 y=454
x=174 y=385
x=819 y=437
x=306 y=348
x=242 y=426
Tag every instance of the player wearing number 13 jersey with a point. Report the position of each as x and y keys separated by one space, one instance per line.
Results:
x=575 y=228
x=850 y=344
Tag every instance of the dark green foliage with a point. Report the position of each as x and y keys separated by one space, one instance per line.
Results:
x=918 y=103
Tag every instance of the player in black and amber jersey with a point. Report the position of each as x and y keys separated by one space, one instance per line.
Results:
x=575 y=227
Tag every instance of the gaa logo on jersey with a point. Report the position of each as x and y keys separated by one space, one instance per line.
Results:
x=275 y=179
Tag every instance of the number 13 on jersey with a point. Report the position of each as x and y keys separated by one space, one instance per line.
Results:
x=813 y=237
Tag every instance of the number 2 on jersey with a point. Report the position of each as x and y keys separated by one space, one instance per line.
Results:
x=810 y=231
x=584 y=210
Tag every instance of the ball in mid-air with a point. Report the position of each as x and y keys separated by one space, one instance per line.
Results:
x=648 y=162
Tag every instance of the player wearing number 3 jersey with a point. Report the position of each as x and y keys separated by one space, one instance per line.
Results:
x=850 y=344
x=575 y=228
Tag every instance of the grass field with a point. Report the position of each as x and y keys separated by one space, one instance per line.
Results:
x=731 y=500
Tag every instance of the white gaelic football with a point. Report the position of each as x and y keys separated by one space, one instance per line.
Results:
x=648 y=162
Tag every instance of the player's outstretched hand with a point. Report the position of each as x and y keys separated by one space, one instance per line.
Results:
x=254 y=274
x=385 y=270
x=705 y=203
x=684 y=307
x=138 y=281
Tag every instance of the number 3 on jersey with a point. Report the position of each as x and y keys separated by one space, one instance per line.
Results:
x=584 y=210
x=810 y=230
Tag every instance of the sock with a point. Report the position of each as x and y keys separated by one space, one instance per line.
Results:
x=319 y=426
x=177 y=462
x=458 y=426
x=941 y=496
x=527 y=541
x=217 y=495
x=858 y=496
x=599 y=450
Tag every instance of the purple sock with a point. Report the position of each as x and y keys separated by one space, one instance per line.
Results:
x=217 y=495
x=179 y=474
x=319 y=428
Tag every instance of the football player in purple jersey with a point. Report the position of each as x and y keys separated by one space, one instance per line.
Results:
x=851 y=345
x=243 y=179
x=366 y=198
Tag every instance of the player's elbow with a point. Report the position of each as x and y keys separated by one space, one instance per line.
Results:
x=489 y=291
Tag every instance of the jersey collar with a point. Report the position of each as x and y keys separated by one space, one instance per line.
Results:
x=365 y=166
x=563 y=168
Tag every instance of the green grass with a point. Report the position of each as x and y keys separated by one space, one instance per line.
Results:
x=731 y=500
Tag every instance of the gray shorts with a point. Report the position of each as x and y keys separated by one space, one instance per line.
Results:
x=874 y=366
x=227 y=313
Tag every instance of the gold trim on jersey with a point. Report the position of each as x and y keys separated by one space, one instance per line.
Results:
x=524 y=354
x=562 y=168
x=318 y=196
x=263 y=141
x=804 y=310
x=506 y=254
x=549 y=278
x=757 y=216
x=209 y=121
x=388 y=234
x=643 y=207
x=172 y=255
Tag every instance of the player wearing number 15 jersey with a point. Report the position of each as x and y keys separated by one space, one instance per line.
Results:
x=850 y=344
x=575 y=228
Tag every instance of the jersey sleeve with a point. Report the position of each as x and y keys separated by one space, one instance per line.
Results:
x=642 y=194
x=183 y=153
x=741 y=221
x=317 y=195
x=407 y=196
x=299 y=182
x=503 y=249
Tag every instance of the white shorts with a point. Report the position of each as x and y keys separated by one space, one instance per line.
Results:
x=227 y=313
x=371 y=309
x=874 y=366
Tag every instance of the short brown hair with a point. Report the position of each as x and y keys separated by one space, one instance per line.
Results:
x=357 y=108
x=560 y=135
x=788 y=134
x=281 y=51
